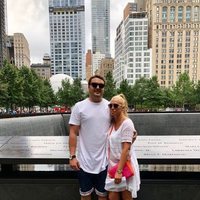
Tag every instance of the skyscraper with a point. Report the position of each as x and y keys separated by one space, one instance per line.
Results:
x=100 y=26
x=21 y=50
x=132 y=56
x=174 y=38
x=67 y=37
x=2 y=32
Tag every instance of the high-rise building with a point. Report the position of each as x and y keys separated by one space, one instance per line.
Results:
x=175 y=39
x=132 y=56
x=130 y=7
x=21 y=50
x=2 y=32
x=107 y=65
x=88 y=64
x=100 y=26
x=141 y=5
x=43 y=70
x=67 y=37
x=10 y=49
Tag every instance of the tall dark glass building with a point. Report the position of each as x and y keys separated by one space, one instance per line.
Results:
x=101 y=26
x=2 y=32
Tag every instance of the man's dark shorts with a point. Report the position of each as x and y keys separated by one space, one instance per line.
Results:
x=90 y=182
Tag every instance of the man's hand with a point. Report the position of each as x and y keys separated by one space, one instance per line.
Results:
x=74 y=164
x=134 y=136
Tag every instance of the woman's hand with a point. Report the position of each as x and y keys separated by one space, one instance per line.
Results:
x=118 y=177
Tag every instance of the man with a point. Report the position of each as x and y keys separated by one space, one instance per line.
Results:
x=90 y=119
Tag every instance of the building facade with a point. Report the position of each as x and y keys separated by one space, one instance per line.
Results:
x=96 y=61
x=67 y=37
x=10 y=49
x=100 y=26
x=88 y=64
x=2 y=32
x=174 y=30
x=107 y=65
x=141 y=5
x=21 y=50
x=43 y=70
x=132 y=55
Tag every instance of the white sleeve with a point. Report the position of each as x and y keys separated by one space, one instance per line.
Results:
x=128 y=131
x=75 y=116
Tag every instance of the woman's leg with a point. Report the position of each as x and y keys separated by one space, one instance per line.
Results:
x=114 y=196
x=126 y=195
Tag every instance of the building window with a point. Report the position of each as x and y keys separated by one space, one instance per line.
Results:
x=180 y=13
x=172 y=14
x=164 y=14
x=196 y=13
x=188 y=14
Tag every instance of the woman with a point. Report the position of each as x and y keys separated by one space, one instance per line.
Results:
x=120 y=149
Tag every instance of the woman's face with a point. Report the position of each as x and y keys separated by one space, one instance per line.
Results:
x=116 y=107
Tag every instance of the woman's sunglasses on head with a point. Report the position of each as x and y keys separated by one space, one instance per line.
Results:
x=95 y=85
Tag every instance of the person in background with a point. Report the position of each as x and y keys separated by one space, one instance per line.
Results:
x=120 y=149
x=90 y=120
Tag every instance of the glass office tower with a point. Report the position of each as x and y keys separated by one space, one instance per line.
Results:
x=67 y=37
x=2 y=32
x=100 y=26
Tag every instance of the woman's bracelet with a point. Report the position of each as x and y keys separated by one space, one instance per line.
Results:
x=119 y=171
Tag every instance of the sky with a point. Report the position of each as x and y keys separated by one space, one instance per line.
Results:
x=31 y=18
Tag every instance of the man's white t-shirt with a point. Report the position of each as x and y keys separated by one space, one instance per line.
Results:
x=94 y=121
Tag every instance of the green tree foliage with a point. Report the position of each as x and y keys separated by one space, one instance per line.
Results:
x=183 y=91
x=3 y=90
x=167 y=100
x=153 y=97
x=110 y=88
x=77 y=92
x=10 y=77
x=197 y=93
x=64 y=93
x=69 y=94
x=23 y=88
x=30 y=90
x=128 y=91
x=47 y=97
x=140 y=91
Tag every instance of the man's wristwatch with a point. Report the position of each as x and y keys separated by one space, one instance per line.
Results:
x=72 y=157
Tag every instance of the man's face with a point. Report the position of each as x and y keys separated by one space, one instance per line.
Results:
x=96 y=89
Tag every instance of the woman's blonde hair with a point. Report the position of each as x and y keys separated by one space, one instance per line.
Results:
x=123 y=102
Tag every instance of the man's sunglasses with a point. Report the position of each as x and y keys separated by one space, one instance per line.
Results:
x=113 y=106
x=95 y=85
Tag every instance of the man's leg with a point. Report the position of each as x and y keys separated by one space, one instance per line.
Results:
x=102 y=198
x=86 y=185
x=86 y=197
x=100 y=185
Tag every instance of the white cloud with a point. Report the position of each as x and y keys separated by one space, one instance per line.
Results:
x=32 y=19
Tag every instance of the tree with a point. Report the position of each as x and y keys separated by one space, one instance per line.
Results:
x=47 y=97
x=184 y=91
x=110 y=88
x=140 y=91
x=3 y=91
x=28 y=91
x=64 y=93
x=10 y=76
x=153 y=93
x=77 y=92
x=127 y=90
